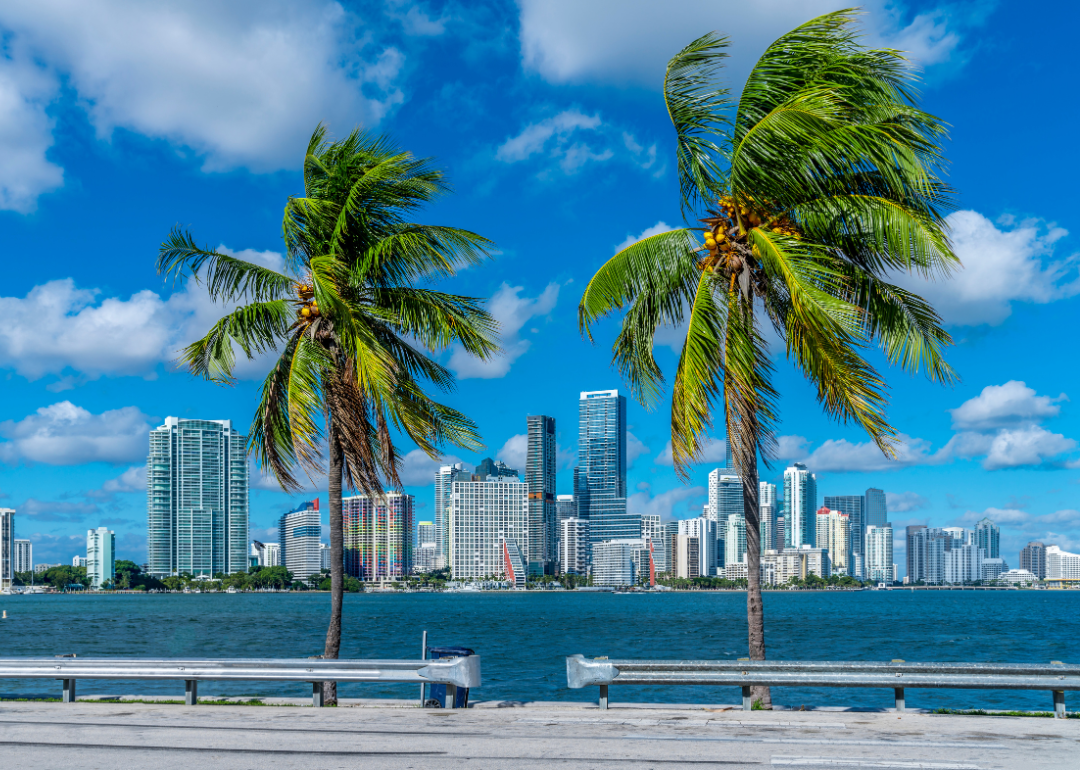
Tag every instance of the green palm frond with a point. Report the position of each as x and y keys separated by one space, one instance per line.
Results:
x=226 y=278
x=259 y=327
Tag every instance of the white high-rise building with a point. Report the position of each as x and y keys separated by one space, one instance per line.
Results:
x=100 y=556
x=1062 y=566
x=613 y=562
x=767 y=516
x=834 y=533
x=993 y=569
x=652 y=531
x=574 y=548
x=444 y=479
x=78 y=561
x=7 y=548
x=197 y=498
x=800 y=506
x=704 y=530
x=963 y=563
x=725 y=496
x=482 y=515
x=300 y=535
x=734 y=540
x=24 y=556
x=879 y=554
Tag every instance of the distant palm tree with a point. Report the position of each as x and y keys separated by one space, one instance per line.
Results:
x=351 y=324
x=823 y=182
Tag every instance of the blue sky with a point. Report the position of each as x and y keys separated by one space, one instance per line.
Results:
x=119 y=121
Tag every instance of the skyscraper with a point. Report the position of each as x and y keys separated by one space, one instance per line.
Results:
x=652 y=531
x=483 y=515
x=854 y=506
x=565 y=507
x=879 y=554
x=875 y=511
x=725 y=496
x=24 y=556
x=496 y=468
x=916 y=553
x=540 y=478
x=100 y=556
x=1033 y=559
x=7 y=548
x=444 y=479
x=574 y=546
x=734 y=539
x=602 y=467
x=988 y=537
x=834 y=534
x=378 y=537
x=300 y=535
x=800 y=506
x=197 y=498
x=767 y=515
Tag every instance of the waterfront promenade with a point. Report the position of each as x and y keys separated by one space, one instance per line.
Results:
x=94 y=735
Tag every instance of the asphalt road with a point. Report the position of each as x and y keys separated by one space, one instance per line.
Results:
x=113 y=736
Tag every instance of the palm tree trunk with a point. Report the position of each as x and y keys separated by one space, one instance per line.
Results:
x=337 y=554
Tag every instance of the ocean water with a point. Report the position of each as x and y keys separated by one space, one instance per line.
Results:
x=524 y=637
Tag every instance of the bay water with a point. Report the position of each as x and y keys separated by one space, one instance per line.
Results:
x=524 y=637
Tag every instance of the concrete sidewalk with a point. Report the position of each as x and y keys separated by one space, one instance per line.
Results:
x=120 y=735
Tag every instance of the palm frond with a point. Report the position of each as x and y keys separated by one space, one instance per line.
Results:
x=226 y=278
x=259 y=327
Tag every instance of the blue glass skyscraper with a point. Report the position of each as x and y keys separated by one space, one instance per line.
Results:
x=601 y=483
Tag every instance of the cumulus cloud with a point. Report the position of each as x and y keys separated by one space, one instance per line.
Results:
x=26 y=172
x=1001 y=405
x=238 y=83
x=678 y=500
x=418 y=470
x=635 y=448
x=904 y=502
x=714 y=452
x=57 y=510
x=1031 y=445
x=66 y=434
x=515 y=451
x=1003 y=263
x=630 y=41
x=512 y=311
x=572 y=140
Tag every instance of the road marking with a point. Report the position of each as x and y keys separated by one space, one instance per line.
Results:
x=812 y=741
x=680 y=723
x=219 y=750
x=882 y=763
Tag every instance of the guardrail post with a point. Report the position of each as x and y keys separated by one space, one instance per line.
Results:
x=317 y=695
x=603 y=697
x=69 y=691
x=1059 y=704
x=747 y=702
x=191 y=692
x=899 y=693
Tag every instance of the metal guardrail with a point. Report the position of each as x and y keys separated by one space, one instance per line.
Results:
x=453 y=672
x=897 y=675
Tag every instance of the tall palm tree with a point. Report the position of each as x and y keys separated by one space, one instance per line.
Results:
x=352 y=327
x=816 y=186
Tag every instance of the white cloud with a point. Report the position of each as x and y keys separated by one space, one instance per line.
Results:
x=131 y=480
x=904 y=502
x=791 y=447
x=58 y=326
x=1001 y=265
x=631 y=41
x=1031 y=445
x=713 y=453
x=515 y=451
x=648 y=232
x=240 y=83
x=512 y=311
x=1001 y=405
x=418 y=470
x=562 y=138
x=666 y=503
x=635 y=448
x=66 y=434
x=843 y=456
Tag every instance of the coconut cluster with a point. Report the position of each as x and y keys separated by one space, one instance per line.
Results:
x=723 y=231
x=309 y=308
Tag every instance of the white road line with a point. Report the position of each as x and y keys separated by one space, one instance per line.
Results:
x=814 y=741
x=881 y=763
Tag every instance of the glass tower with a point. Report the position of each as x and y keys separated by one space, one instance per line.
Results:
x=7 y=548
x=300 y=538
x=854 y=506
x=197 y=498
x=875 y=511
x=602 y=467
x=540 y=478
x=988 y=537
x=800 y=506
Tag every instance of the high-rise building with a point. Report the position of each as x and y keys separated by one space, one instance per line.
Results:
x=78 y=561
x=854 y=506
x=879 y=554
x=686 y=556
x=565 y=508
x=483 y=515
x=781 y=533
x=725 y=496
x=378 y=536
x=540 y=478
x=425 y=548
x=993 y=569
x=24 y=556
x=1033 y=559
x=444 y=479
x=710 y=553
x=614 y=562
x=100 y=556
x=265 y=554
x=325 y=559
x=963 y=562
x=734 y=539
x=496 y=468
x=875 y=510
x=767 y=515
x=602 y=467
x=988 y=537
x=916 y=553
x=800 y=506
x=574 y=546
x=652 y=531
x=197 y=498
x=1062 y=566
x=300 y=535
x=7 y=548
x=833 y=533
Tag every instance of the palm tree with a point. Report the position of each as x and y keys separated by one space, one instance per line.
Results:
x=815 y=187
x=350 y=324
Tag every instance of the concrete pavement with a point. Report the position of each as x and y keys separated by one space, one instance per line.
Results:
x=80 y=736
